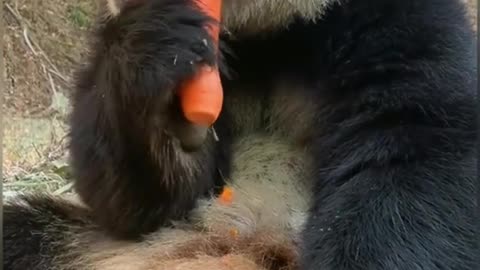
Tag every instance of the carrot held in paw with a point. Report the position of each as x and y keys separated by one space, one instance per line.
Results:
x=201 y=97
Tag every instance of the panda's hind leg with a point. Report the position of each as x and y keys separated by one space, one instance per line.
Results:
x=39 y=231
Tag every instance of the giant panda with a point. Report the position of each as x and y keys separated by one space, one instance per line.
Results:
x=347 y=135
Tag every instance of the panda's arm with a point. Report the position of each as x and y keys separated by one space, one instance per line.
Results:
x=128 y=165
x=396 y=168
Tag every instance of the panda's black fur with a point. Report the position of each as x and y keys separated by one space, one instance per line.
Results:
x=377 y=96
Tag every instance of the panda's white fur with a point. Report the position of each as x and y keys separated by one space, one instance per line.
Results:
x=270 y=173
x=270 y=189
x=252 y=16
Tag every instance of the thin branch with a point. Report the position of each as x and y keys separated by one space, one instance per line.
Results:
x=63 y=189
x=59 y=75
x=27 y=40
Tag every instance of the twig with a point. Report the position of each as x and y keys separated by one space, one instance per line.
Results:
x=17 y=16
x=63 y=189
x=22 y=183
x=58 y=75
x=46 y=57
x=60 y=146
x=52 y=84
x=36 y=150
x=27 y=40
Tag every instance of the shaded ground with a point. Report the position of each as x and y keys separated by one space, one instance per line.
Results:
x=43 y=44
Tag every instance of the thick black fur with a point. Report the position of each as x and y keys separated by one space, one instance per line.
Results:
x=393 y=142
x=123 y=155
x=35 y=232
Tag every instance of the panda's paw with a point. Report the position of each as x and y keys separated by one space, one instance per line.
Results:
x=161 y=44
x=166 y=39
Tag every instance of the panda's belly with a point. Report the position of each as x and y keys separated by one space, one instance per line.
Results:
x=270 y=183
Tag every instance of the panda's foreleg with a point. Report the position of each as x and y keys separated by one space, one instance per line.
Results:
x=396 y=170
x=129 y=163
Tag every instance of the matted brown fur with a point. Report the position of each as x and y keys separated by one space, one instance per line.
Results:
x=262 y=251
x=188 y=249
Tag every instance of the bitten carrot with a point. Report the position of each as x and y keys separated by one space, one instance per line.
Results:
x=201 y=97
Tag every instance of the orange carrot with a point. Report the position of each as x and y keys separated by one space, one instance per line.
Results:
x=202 y=96
x=226 y=197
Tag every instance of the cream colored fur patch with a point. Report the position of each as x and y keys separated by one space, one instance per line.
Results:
x=252 y=16
x=271 y=189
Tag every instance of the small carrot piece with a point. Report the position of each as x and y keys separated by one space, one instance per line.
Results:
x=226 y=197
x=234 y=233
x=201 y=97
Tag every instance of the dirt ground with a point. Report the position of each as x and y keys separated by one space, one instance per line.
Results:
x=44 y=42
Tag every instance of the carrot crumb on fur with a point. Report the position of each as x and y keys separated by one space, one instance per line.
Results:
x=227 y=196
x=234 y=233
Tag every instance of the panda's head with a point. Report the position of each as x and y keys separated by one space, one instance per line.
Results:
x=253 y=16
